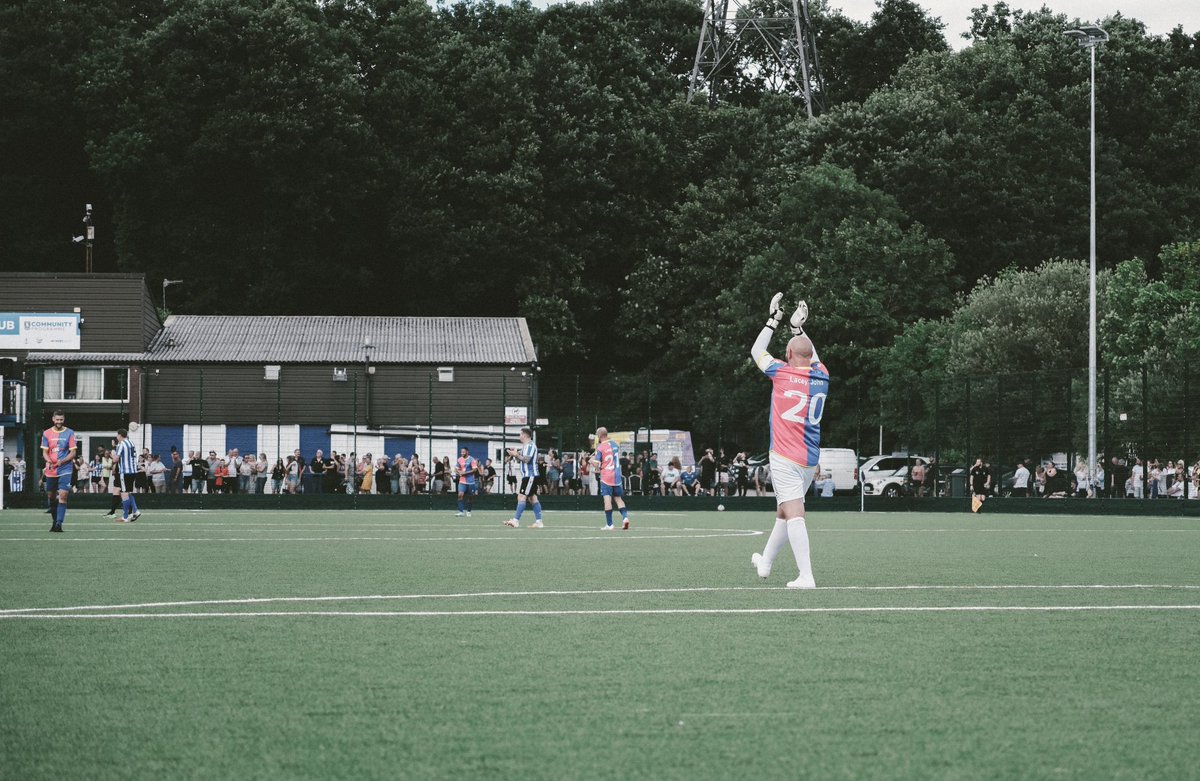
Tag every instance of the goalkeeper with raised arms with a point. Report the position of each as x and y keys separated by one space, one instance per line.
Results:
x=799 y=387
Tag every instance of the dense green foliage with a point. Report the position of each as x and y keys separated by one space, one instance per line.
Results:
x=885 y=685
x=393 y=157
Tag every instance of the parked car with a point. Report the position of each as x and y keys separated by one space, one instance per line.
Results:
x=840 y=462
x=888 y=475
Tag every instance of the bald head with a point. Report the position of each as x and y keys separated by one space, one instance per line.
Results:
x=800 y=350
x=601 y=434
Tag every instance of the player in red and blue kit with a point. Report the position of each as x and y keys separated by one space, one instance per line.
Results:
x=468 y=467
x=608 y=457
x=58 y=451
x=799 y=387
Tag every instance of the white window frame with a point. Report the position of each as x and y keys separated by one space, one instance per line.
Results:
x=61 y=385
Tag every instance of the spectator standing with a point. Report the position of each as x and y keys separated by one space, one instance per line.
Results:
x=105 y=468
x=175 y=473
x=739 y=474
x=1138 y=475
x=981 y=480
x=587 y=474
x=97 y=472
x=439 y=476
x=262 y=470
x=246 y=474
x=725 y=479
x=200 y=469
x=156 y=471
x=570 y=474
x=420 y=475
x=315 y=484
x=1081 y=478
x=278 y=475
x=553 y=472
x=401 y=476
x=1020 y=485
x=917 y=477
x=488 y=477
x=708 y=472
x=83 y=475
x=293 y=469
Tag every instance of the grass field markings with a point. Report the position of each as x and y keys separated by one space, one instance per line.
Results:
x=828 y=530
x=616 y=612
x=586 y=592
x=499 y=534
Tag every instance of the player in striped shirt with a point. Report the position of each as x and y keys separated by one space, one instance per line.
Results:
x=608 y=462
x=58 y=451
x=526 y=458
x=800 y=386
x=126 y=458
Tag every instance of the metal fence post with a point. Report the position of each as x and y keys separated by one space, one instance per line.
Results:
x=1187 y=444
x=1144 y=446
x=937 y=434
x=429 y=462
x=504 y=434
x=1070 y=419
x=967 y=410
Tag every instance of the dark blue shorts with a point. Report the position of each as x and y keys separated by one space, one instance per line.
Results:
x=611 y=490
x=60 y=482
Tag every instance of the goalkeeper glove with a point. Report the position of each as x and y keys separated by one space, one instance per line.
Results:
x=799 y=318
x=776 y=312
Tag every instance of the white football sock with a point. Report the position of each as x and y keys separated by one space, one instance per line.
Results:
x=775 y=542
x=797 y=533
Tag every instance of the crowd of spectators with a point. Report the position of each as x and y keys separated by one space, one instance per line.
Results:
x=574 y=474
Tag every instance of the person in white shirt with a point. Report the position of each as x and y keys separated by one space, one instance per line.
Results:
x=1136 y=475
x=1081 y=478
x=1021 y=481
x=157 y=472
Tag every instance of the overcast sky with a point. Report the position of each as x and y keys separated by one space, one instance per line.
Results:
x=1159 y=15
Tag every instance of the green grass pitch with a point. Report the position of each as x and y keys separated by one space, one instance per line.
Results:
x=937 y=646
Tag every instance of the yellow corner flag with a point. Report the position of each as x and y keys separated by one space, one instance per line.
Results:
x=976 y=502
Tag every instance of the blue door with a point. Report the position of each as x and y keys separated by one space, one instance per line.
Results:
x=312 y=439
x=476 y=447
x=404 y=446
x=244 y=438
x=163 y=438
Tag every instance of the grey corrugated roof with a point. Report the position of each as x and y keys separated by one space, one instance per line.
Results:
x=93 y=359
x=324 y=339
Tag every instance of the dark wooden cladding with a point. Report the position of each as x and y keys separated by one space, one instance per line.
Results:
x=119 y=315
x=399 y=395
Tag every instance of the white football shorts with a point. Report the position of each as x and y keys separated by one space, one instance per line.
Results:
x=791 y=481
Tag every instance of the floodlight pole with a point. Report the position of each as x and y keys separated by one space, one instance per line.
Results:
x=1092 y=287
x=1090 y=37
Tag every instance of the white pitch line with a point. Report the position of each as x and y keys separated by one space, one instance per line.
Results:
x=589 y=592
x=505 y=536
x=624 y=612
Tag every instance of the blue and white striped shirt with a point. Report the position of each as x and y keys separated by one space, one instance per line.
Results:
x=529 y=450
x=126 y=457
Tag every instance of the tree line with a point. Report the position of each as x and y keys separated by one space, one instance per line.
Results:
x=480 y=158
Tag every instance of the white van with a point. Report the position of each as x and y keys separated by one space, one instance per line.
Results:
x=842 y=464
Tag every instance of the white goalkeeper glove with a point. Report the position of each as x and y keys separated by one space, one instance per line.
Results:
x=799 y=318
x=776 y=312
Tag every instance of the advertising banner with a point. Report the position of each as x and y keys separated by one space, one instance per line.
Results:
x=24 y=331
